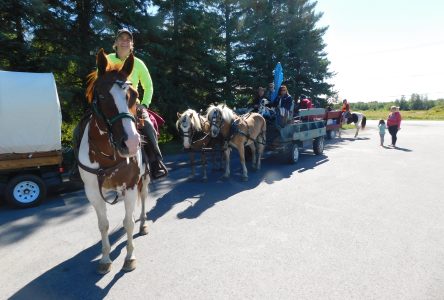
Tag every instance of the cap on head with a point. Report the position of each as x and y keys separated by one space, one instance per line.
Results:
x=303 y=96
x=124 y=30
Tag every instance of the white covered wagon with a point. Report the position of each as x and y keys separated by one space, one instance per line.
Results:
x=30 y=136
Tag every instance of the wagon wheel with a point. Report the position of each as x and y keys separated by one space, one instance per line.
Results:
x=293 y=154
x=318 y=145
x=331 y=134
x=25 y=191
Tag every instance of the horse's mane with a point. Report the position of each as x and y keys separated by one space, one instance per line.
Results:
x=227 y=114
x=194 y=117
x=92 y=78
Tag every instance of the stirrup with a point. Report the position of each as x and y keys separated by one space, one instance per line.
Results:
x=158 y=169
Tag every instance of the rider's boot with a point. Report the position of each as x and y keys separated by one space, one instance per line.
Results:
x=157 y=167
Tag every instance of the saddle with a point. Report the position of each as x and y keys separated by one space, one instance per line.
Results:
x=147 y=148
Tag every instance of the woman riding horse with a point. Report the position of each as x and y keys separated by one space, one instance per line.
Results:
x=110 y=158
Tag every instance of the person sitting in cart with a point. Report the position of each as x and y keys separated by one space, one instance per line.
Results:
x=284 y=106
x=305 y=102
x=259 y=96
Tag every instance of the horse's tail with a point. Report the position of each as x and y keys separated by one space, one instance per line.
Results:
x=364 y=121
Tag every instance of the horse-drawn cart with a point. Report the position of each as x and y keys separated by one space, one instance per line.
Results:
x=306 y=129
x=31 y=153
x=333 y=123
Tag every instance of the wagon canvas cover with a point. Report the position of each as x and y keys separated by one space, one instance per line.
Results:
x=30 y=116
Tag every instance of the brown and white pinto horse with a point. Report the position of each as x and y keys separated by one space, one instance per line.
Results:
x=238 y=132
x=110 y=158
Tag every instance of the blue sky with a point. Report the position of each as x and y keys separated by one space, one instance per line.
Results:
x=383 y=49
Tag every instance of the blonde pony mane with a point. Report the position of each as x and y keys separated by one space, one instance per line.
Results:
x=194 y=118
x=227 y=114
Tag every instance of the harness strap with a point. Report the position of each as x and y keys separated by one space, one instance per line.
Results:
x=236 y=130
x=102 y=174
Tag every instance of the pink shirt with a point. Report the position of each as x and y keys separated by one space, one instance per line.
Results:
x=394 y=118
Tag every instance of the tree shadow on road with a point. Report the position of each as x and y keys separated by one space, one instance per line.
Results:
x=75 y=278
x=203 y=196
x=64 y=208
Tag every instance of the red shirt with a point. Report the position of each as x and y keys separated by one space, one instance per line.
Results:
x=306 y=103
x=345 y=107
x=394 y=118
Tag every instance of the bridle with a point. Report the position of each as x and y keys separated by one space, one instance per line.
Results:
x=109 y=121
x=191 y=132
x=103 y=173
x=217 y=120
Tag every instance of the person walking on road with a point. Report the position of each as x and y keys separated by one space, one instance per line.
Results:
x=382 y=128
x=394 y=124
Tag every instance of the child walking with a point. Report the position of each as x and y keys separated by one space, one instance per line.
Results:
x=382 y=128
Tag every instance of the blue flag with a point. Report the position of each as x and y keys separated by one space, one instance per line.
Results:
x=278 y=78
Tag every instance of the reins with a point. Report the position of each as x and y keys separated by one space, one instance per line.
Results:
x=102 y=173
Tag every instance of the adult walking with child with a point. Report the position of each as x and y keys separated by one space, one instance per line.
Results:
x=394 y=124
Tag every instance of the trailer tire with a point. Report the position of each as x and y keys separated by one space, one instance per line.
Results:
x=331 y=134
x=25 y=190
x=318 y=145
x=293 y=154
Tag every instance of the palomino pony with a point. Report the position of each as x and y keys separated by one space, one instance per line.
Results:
x=194 y=130
x=238 y=132
x=355 y=117
x=110 y=158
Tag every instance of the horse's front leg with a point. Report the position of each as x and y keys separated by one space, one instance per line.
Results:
x=227 y=162
x=241 y=150
x=204 y=166
x=193 y=170
x=357 y=131
x=100 y=207
x=128 y=224
x=143 y=229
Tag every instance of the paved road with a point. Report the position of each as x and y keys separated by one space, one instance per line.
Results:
x=359 y=222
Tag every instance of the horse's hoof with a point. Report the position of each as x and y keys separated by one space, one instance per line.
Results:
x=244 y=178
x=143 y=229
x=104 y=268
x=129 y=265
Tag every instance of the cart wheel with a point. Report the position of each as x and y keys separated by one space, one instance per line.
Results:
x=293 y=155
x=25 y=191
x=318 y=145
x=331 y=134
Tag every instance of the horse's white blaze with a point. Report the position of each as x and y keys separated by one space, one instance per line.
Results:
x=133 y=141
x=186 y=128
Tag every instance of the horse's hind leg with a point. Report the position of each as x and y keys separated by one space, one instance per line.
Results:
x=260 y=152
x=253 y=156
x=241 y=150
x=143 y=229
x=128 y=223
x=100 y=207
